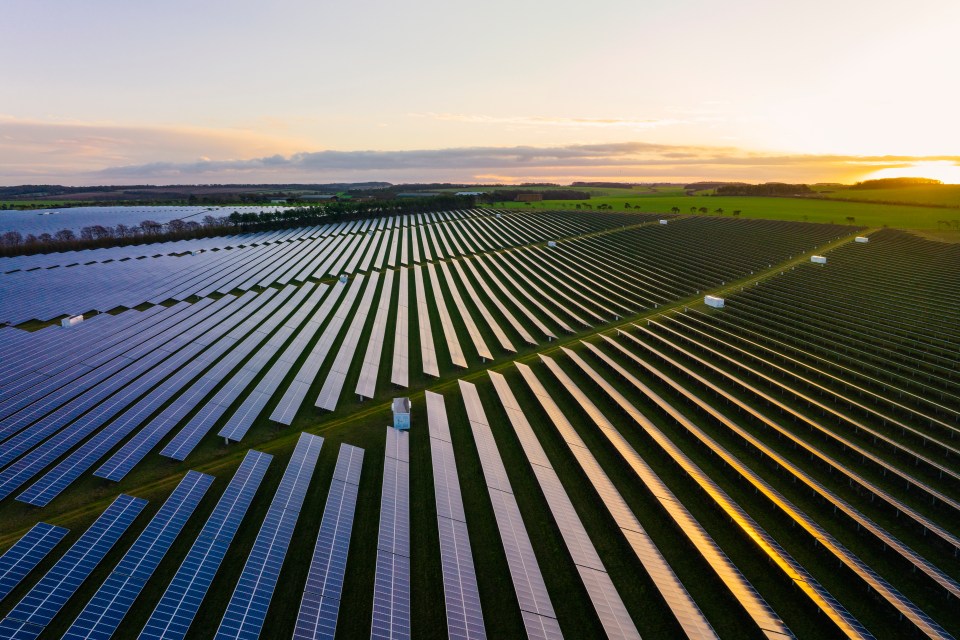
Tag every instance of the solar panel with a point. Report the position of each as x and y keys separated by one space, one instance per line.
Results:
x=446 y=322
x=427 y=351
x=391 y=596
x=248 y=606
x=337 y=375
x=20 y=559
x=37 y=609
x=367 y=382
x=606 y=601
x=399 y=374
x=293 y=397
x=320 y=606
x=686 y=611
x=179 y=604
x=538 y=614
x=106 y=609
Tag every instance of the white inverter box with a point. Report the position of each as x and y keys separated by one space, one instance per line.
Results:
x=713 y=301
x=818 y=259
x=862 y=239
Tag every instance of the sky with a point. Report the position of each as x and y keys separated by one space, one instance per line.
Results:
x=121 y=92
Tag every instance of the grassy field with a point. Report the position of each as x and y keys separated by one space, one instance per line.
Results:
x=945 y=195
x=363 y=423
x=832 y=211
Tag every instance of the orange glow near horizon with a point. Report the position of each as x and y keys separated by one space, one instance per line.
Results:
x=945 y=171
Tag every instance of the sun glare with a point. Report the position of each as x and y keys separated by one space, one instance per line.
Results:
x=943 y=170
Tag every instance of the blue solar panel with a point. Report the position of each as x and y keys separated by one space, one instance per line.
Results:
x=48 y=596
x=391 y=595
x=104 y=612
x=321 y=596
x=22 y=557
x=248 y=606
x=175 y=612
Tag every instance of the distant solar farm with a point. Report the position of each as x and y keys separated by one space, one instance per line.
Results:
x=619 y=425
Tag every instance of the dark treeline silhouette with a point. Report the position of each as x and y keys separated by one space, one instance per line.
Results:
x=765 y=189
x=503 y=195
x=605 y=185
x=894 y=183
x=97 y=236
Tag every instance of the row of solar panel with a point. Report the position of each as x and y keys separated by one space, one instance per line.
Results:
x=173 y=614
x=124 y=283
x=167 y=277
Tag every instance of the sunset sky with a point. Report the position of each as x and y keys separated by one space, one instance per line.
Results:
x=114 y=91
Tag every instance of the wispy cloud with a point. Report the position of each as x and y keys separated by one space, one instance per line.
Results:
x=536 y=121
x=72 y=153
x=628 y=160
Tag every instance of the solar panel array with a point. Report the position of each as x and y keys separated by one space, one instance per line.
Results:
x=120 y=384
x=174 y=613
x=320 y=607
x=256 y=401
x=462 y=598
x=247 y=609
x=293 y=397
x=606 y=600
x=20 y=559
x=37 y=609
x=681 y=604
x=337 y=375
x=391 y=591
x=400 y=371
x=103 y=613
x=766 y=543
x=539 y=617
x=367 y=382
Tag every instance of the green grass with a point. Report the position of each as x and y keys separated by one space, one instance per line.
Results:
x=363 y=424
x=944 y=195
x=799 y=209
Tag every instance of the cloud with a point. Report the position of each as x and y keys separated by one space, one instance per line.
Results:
x=533 y=121
x=78 y=153
x=628 y=160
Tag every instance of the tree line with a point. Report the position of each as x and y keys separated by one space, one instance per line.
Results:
x=765 y=189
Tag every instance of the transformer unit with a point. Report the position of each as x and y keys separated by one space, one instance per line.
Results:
x=343 y=278
x=401 y=414
x=862 y=239
x=713 y=301
x=818 y=259
x=663 y=222
x=72 y=321
x=552 y=243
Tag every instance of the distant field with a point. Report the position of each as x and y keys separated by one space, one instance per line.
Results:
x=947 y=195
x=872 y=215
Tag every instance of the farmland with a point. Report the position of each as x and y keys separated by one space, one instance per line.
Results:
x=800 y=209
x=593 y=451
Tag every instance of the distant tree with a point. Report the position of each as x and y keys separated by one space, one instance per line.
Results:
x=718 y=210
x=30 y=239
x=65 y=235
x=176 y=225
x=151 y=227
x=702 y=210
x=11 y=239
x=693 y=209
x=95 y=232
x=626 y=205
x=209 y=221
x=674 y=209
x=578 y=207
x=736 y=212
x=123 y=231
x=45 y=237
x=851 y=219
